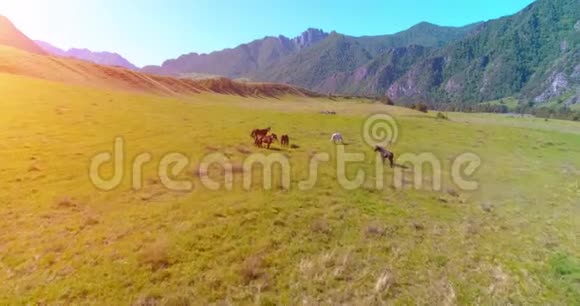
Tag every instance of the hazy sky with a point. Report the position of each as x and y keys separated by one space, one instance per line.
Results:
x=149 y=32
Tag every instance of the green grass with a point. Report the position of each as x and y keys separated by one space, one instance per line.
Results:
x=64 y=241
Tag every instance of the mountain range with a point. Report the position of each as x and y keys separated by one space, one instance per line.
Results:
x=264 y=58
x=101 y=58
x=533 y=55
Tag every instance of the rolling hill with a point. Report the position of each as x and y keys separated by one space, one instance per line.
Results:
x=71 y=71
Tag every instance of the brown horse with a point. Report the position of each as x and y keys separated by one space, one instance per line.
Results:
x=260 y=133
x=268 y=140
x=385 y=154
x=285 y=140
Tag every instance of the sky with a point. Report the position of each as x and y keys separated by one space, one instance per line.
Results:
x=147 y=32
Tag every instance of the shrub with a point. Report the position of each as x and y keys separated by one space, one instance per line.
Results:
x=442 y=116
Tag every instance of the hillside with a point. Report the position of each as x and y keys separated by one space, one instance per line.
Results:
x=11 y=36
x=340 y=62
x=79 y=72
x=534 y=54
x=101 y=58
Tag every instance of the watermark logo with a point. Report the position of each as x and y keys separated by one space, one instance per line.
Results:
x=423 y=169
x=381 y=130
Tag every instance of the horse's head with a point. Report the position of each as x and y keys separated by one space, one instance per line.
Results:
x=268 y=129
x=274 y=136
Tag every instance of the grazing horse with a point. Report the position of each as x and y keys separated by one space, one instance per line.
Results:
x=385 y=154
x=260 y=133
x=268 y=139
x=285 y=140
x=336 y=137
x=258 y=140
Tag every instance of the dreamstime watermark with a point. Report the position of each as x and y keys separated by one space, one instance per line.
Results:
x=377 y=130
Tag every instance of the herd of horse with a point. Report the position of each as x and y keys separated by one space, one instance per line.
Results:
x=264 y=137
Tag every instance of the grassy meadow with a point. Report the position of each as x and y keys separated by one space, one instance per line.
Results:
x=63 y=241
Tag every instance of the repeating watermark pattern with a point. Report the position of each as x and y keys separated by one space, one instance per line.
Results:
x=377 y=130
x=380 y=129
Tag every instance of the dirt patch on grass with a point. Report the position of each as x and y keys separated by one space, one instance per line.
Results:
x=321 y=226
x=156 y=254
x=252 y=269
x=67 y=203
x=375 y=229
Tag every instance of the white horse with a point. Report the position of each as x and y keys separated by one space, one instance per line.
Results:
x=336 y=137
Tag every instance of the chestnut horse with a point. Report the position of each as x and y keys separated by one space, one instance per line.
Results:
x=268 y=140
x=285 y=140
x=259 y=133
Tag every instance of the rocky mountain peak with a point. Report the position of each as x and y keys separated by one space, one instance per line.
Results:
x=309 y=37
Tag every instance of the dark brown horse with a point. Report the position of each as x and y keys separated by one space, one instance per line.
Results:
x=260 y=133
x=268 y=140
x=285 y=140
x=385 y=154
